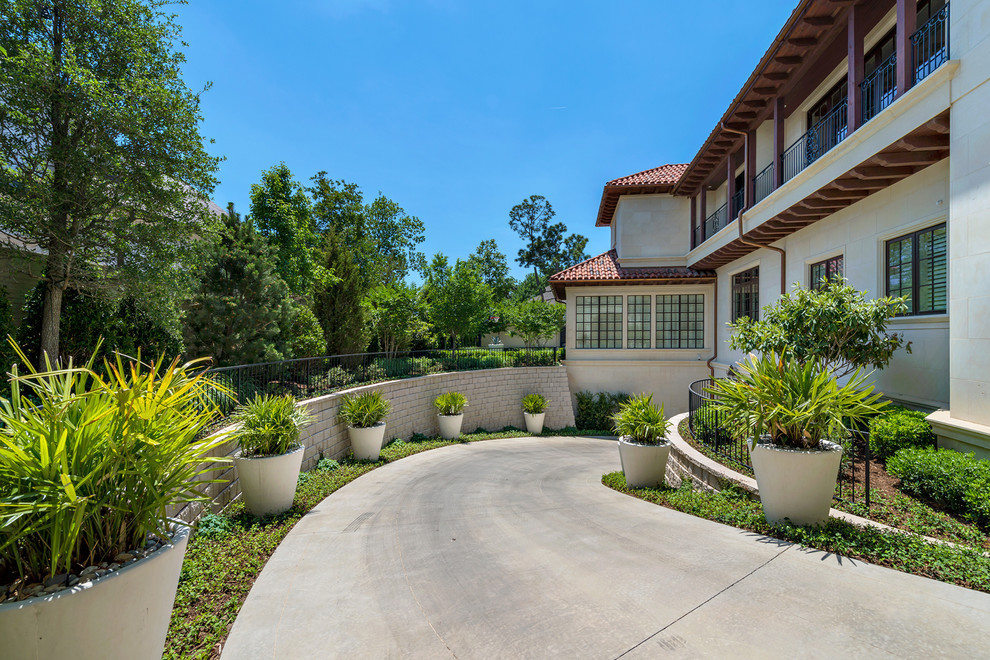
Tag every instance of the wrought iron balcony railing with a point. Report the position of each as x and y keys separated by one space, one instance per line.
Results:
x=820 y=138
x=930 y=45
x=879 y=88
x=738 y=200
x=716 y=221
x=763 y=184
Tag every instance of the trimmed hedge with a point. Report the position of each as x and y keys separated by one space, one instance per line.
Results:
x=594 y=411
x=899 y=428
x=958 y=482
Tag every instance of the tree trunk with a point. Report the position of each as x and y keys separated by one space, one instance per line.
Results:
x=50 y=318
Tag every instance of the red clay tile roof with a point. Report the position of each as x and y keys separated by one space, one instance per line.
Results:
x=648 y=182
x=605 y=269
x=663 y=175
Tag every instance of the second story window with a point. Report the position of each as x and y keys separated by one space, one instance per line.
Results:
x=598 y=322
x=825 y=270
x=916 y=268
x=746 y=294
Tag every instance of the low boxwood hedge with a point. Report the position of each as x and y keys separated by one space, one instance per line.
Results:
x=899 y=428
x=958 y=482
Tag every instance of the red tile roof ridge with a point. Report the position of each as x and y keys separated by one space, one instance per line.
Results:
x=606 y=266
x=668 y=174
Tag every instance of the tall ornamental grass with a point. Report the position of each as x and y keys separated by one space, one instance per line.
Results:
x=269 y=425
x=89 y=461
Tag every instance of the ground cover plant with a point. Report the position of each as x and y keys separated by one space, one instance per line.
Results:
x=962 y=565
x=228 y=550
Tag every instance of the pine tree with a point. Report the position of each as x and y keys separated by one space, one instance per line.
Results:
x=236 y=314
x=338 y=306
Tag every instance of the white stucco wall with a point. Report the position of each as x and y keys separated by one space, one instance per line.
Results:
x=649 y=226
x=859 y=233
x=969 y=221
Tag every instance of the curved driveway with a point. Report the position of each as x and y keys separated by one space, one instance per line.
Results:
x=514 y=549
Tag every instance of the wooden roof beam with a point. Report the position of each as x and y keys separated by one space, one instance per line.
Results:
x=788 y=60
x=924 y=142
x=803 y=42
x=818 y=21
x=867 y=172
x=905 y=158
x=863 y=184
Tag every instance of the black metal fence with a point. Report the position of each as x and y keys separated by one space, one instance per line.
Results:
x=763 y=184
x=829 y=131
x=716 y=221
x=309 y=377
x=879 y=88
x=853 y=485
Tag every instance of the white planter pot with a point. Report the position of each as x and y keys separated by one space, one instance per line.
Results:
x=123 y=614
x=366 y=443
x=450 y=426
x=643 y=465
x=796 y=484
x=534 y=422
x=268 y=483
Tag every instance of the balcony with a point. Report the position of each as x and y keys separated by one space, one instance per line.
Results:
x=820 y=138
x=879 y=88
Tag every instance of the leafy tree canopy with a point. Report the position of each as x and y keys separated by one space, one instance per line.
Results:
x=835 y=324
x=100 y=150
x=548 y=248
x=283 y=214
x=459 y=300
x=536 y=321
x=395 y=237
x=493 y=268
x=395 y=315
x=337 y=304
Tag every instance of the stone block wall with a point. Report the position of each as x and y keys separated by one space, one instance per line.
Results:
x=494 y=401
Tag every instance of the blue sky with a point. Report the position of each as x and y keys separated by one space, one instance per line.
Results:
x=459 y=110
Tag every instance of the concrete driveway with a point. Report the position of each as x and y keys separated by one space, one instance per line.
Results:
x=514 y=549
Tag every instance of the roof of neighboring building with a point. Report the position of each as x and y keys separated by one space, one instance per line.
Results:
x=605 y=269
x=656 y=180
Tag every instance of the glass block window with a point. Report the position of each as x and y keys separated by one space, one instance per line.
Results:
x=638 y=322
x=681 y=321
x=746 y=294
x=917 y=268
x=598 y=322
x=826 y=270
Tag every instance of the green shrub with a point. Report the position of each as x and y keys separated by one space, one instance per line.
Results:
x=451 y=403
x=534 y=404
x=335 y=378
x=326 y=465
x=594 y=411
x=899 y=428
x=364 y=410
x=269 y=425
x=958 y=482
x=373 y=373
x=88 y=465
x=304 y=335
x=641 y=420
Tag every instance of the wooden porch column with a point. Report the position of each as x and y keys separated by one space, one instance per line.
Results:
x=730 y=186
x=855 y=35
x=778 y=142
x=694 y=220
x=907 y=23
x=703 y=209
x=750 y=169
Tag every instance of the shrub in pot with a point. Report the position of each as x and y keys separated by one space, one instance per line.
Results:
x=643 y=445
x=534 y=410
x=450 y=414
x=793 y=414
x=89 y=464
x=364 y=415
x=270 y=453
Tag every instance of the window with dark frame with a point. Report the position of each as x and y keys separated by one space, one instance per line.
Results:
x=638 y=322
x=598 y=322
x=746 y=294
x=826 y=270
x=681 y=321
x=917 y=268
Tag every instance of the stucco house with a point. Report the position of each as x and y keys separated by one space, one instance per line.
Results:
x=859 y=145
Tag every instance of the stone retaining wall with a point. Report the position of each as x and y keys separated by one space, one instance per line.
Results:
x=494 y=401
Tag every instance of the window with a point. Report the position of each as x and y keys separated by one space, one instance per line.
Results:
x=746 y=294
x=834 y=98
x=681 y=321
x=824 y=271
x=916 y=268
x=638 y=322
x=598 y=322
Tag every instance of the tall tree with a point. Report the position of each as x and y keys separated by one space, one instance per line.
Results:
x=548 y=247
x=459 y=301
x=536 y=321
x=100 y=151
x=338 y=206
x=242 y=305
x=394 y=236
x=337 y=303
x=395 y=315
x=491 y=264
x=282 y=212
